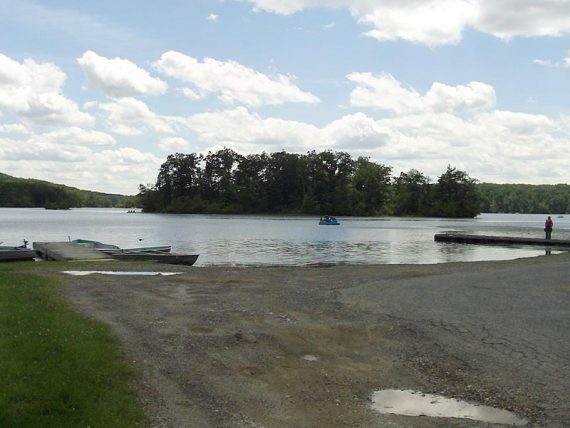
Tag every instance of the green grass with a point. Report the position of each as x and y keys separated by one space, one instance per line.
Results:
x=58 y=369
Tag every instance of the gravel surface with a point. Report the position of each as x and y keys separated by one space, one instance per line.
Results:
x=308 y=346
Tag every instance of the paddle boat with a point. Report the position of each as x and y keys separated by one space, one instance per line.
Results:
x=329 y=221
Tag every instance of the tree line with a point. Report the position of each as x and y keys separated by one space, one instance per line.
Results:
x=30 y=193
x=524 y=198
x=313 y=183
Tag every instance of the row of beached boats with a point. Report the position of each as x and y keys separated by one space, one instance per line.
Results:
x=160 y=254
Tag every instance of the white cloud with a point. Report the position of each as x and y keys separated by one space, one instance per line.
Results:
x=431 y=22
x=63 y=145
x=356 y=132
x=546 y=63
x=565 y=63
x=14 y=128
x=436 y=22
x=248 y=132
x=495 y=146
x=40 y=156
x=119 y=77
x=213 y=17
x=173 y=144
x=460 y=98
x=232 y=82
x=511 y=18
x=193 y=95
x=39 y=149
x=384 y=92
x=80 y=137
x=32 y=91
x=130 y=117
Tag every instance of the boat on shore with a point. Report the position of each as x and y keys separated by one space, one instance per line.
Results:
x=16 y=253
x=159 y=254
x=114 y=248
x=169 y=258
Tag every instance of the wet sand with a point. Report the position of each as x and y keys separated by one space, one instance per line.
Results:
x=308 y=346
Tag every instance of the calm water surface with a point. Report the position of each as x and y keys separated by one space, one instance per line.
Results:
x=266 y=240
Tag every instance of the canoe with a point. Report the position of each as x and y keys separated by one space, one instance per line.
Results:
x=169 y=258
x=160 y=254
x=107 y=248
x=94 y=244
x=11 y=254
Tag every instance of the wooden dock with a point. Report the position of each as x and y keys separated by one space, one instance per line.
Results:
x=67 y=251
x=499 y=240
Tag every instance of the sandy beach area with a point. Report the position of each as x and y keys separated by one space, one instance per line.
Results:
x=308 y=346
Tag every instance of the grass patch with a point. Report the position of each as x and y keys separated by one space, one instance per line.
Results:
x=57 y=368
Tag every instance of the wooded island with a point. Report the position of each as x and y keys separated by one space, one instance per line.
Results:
x=314 y=183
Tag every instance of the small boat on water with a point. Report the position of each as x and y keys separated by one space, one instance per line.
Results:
x=329 y=221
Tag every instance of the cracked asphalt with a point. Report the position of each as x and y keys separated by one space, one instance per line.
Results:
x=307 y=346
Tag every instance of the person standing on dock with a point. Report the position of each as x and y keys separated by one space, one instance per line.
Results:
x=548 y=224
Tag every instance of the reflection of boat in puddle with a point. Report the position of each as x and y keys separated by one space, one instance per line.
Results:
x=412 y=403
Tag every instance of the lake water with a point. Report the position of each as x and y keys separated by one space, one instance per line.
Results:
x=274 y=240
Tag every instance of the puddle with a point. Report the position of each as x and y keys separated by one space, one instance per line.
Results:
x=111 y=272
x=412 y=403
x=309 y=357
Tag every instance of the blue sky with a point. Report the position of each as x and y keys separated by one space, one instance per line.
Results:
x=96 y=94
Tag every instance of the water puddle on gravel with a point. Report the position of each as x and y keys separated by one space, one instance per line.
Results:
x=412 y=403
x=111 y=272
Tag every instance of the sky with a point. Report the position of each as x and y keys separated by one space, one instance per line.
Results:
x=96 y=94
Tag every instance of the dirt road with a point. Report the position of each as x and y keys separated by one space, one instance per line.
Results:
x=307 y=347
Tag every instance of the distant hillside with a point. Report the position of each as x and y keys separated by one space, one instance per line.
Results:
x=525 y=198
x=21 y=192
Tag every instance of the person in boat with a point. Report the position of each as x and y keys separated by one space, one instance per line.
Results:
x=548 y=225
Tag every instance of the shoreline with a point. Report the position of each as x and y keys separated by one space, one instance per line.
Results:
x=307 y=346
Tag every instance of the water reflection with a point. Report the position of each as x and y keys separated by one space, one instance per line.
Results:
x=412 y=403
x=263 y=240
x=120 y=273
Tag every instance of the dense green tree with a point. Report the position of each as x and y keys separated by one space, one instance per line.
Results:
x=456 y=195
x=217 y=176
x=283 y=180
x=412 y=194
x=326 y=182
x=19 y=192
x=524 y=198
x=315 y=183
x=370 y=191
x=251 y=191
